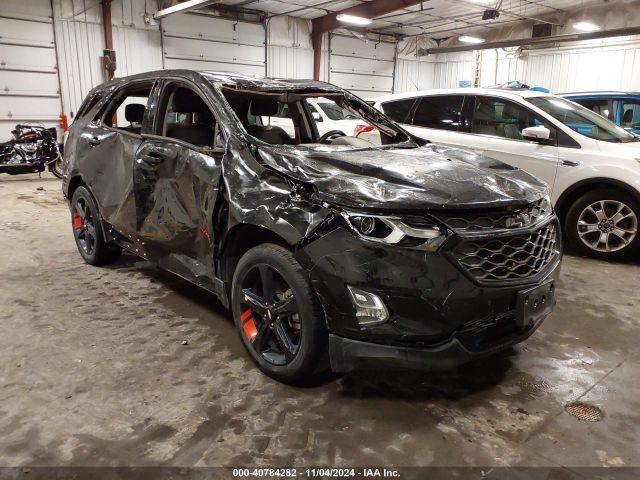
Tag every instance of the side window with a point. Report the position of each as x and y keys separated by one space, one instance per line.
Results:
x=125 y=110
x=501 y=118
x=398 y=110
x=88 y=105
x=188 y=118
x=443 y=112
x=601 y=106
x=630 y=114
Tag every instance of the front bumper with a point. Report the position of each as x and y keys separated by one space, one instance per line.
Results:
x=348 y=355
x=439 y=316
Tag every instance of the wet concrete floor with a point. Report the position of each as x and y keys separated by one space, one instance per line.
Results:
x=93 y=371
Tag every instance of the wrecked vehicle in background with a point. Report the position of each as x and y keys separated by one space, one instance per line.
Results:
x=328 y=249
x=32 y=148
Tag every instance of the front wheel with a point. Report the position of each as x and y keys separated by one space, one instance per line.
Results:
x=604 y=224
x=278 y=315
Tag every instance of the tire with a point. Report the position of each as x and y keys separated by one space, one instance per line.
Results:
x=87 y=230
x=595 y=211
x=311 y=335
x=56 y=168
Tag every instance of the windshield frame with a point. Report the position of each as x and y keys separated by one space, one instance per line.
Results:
x=369 y=114
x=616 y=132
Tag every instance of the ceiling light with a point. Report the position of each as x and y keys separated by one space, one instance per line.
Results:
x=470 y=39
x=183 y=7
x=353 y=20
x=586 y=27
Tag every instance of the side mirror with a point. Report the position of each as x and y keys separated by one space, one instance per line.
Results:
x=317 y=117
x=538 y=134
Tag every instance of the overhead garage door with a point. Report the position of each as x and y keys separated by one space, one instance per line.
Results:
x=29 y=84
x=365 y=68
x=204 y=42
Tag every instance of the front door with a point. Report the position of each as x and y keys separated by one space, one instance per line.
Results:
x=176 y=175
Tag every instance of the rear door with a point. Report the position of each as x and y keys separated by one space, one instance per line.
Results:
x=176 y=175
x=498 y=124
x=106 y=149
x=442 y=119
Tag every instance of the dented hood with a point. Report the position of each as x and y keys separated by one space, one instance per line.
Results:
x=397 y=178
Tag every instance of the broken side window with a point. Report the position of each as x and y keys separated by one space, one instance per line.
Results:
x=185 y=116
x=126 y=108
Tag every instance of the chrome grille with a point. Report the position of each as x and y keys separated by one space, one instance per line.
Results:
x=498 y=219
x=509 y=257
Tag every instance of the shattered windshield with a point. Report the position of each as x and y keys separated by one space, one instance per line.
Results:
x=334 y=112
x=292 y=118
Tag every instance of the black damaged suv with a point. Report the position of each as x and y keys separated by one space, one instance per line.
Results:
x=330 y=249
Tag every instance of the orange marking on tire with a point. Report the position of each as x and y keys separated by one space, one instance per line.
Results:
x=250 y=330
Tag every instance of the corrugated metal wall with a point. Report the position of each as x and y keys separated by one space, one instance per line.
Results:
x=289 y=52
x=80 y=45
x=413 y=75
x=610 y=64
x=29 y=86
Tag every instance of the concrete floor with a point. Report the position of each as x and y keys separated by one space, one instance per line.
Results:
x=93 y=372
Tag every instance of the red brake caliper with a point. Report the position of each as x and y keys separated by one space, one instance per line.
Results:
x=77 y=220
x=248 y=325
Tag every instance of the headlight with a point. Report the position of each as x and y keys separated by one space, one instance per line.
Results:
x=394 y=231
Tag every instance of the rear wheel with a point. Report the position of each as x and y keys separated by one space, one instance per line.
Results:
x=604 y=224
x=87 y=230
x=277 y=314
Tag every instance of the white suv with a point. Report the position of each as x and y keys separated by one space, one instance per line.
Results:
x=331 y=119
x=591 y=164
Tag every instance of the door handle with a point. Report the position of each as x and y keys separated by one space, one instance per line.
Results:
x=93 y=141
x=569 y=163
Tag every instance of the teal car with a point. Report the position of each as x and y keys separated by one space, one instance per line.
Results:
x=623 y=108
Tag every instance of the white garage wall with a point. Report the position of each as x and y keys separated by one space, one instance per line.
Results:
x=200 y=41
x=29 y=85
x=365 y=67
x=189 y=41
x=608 y=64
x=289 y=51
x=81 y=43
x=611 y=64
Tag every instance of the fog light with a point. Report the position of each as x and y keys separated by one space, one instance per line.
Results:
x=369 y=307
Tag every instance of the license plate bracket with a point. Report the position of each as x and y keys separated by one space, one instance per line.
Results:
x=535 y=303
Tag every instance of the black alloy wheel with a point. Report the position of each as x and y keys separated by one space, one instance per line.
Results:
x=270 y=317
x=84 y=229
x=87 y=230
x=278 y=315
